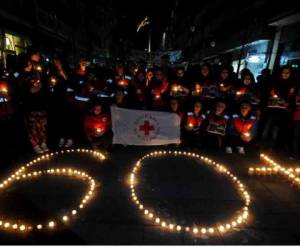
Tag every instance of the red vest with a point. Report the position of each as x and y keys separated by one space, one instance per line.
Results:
x=194 y=121
x=243 y=125
x=96 y=124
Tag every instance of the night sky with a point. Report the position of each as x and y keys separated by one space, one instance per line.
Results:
x=131 y=13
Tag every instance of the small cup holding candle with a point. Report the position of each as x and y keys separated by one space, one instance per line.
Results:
x=98 y=131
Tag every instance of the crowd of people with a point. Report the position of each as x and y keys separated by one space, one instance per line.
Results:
x=58 y=106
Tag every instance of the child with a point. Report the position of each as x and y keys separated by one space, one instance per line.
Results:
x=174 y=107
x=216 y=124
x=193 y=125
x=34 y=100
x=97 y=128
x=242 y=129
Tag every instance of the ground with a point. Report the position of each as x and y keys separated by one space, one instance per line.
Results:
x=176 y=188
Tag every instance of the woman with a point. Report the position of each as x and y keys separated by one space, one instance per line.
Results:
x=279 y=107
x=34 y=103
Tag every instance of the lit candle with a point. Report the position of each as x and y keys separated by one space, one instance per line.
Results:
x=4 y=89
x=247 y=134
x=175 y=88
x=39 y=68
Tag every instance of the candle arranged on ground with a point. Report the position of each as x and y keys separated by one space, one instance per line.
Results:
x=291 y=174
x=22 y=174
x=216 y=228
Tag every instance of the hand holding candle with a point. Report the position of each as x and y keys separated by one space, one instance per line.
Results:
x=98 y=131
x=246 y=136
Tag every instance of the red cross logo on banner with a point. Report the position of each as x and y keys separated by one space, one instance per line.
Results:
x=146 y=127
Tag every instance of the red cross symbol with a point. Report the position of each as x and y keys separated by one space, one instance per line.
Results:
x=146 y=128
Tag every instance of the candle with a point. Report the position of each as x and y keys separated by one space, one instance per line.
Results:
x=123 y=82
x=247 y=134
x=175 y=88
x=4 y=89
x=39 y=68
x=190 y=125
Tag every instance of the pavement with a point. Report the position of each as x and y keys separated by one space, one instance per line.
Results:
x=175 y=187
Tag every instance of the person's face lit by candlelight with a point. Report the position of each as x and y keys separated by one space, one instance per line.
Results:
x=220 y=108
x=174 y=105
x=286 y=74
x=149 y=75
x=247 y=80
x=97 y=110
x=204 y=71
x=245 y=109
x=180 y=73
x=224 y=74
x=197 y=107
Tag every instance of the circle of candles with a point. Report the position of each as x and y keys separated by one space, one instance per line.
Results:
x=239 y=218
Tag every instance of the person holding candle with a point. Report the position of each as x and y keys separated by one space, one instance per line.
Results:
x=278 y=112
x=215 y=126
x=242 y=129
x=59 y=120
x=97 y=127
x=34 y=104
x=158 y=90
x=247 y=89
x=139 y=90
x=192 y=131
x=179 y=86
x=120 y=79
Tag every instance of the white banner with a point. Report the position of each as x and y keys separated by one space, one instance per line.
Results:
x=139 y=127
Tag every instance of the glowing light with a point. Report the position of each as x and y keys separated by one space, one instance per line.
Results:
x=51 y=224
x=194 y=230
x=16 y=176
x=65 y=218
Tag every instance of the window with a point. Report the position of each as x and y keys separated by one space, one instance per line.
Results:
x=15 y=43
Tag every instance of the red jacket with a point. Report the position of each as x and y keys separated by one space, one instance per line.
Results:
x=96 y=126
x=193 y=121
x=244 y=125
